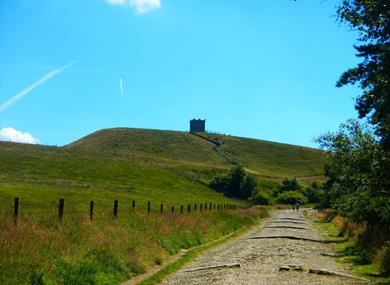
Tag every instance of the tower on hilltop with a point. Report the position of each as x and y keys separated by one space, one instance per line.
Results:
x=197 y=125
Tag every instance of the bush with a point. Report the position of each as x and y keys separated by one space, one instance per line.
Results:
x=291 y=197
x=235 y=184
x=314 y=193
x=260 y=198
x=287 y=185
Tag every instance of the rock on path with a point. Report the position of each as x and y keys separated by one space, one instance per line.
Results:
x=261 y=261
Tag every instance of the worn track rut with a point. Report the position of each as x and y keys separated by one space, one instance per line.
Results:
x=260 y=260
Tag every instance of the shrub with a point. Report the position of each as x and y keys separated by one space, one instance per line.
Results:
x=235 y=184
x=314 y=193
x=260 y=198
x=291 y=197
x=287 y=185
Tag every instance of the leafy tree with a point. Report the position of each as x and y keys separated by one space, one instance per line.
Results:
x=314 y=193
x=287 y=185
x=290 y=185
x=291 y=197
x=247 y=186
x=371 y=18
x=235 y=184
x=355 y=187
x=260 y=198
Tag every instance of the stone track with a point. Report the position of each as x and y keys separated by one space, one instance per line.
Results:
x=260 y=260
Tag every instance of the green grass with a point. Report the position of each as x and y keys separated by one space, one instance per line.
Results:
x=191 y=255
x=270 y=159
x=355 y=256
x=42 y=251
x=162 y=166
x=166 y=167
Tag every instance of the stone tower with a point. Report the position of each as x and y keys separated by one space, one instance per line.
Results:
x=197 y=125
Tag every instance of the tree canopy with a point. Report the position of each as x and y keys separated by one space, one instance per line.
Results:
x=371 y=18
x=355 y=186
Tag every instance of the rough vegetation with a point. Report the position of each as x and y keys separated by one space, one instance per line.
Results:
x=41 y=251
x=172 y=168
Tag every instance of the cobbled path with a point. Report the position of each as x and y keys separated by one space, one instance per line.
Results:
x=261 y=259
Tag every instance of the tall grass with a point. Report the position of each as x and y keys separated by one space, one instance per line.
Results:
x=39 y=250
x=368 y=247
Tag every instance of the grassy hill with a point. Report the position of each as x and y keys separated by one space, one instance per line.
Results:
x=163 y=166
x=125 y=164
x=265 y=158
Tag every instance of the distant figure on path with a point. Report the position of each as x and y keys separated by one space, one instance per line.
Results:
x=297 y=206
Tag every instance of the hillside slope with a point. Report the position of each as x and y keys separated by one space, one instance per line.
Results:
x=275 y=160
x=143 y=164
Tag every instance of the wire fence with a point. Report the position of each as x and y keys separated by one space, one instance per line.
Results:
x=59 y=209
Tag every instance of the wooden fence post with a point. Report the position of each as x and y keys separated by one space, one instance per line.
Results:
x=148 y=207
x=61 y=209
x=210 y=207
x=116 y=209
x=181 y=209
x=189 y=208
x=218 y=207
x=200 y=207
x=161 y=208
x=172 y=209
x=194 y=207
x=214 y=206
x=133 y=204
x=205 y=206
x=91 y=210
x=16 y=210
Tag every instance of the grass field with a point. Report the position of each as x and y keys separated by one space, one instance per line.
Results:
x=134 y=164
x=166 y=167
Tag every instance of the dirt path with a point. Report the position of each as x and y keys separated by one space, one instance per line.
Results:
x=258 y=261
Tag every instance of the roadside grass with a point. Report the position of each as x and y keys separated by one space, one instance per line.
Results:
x=365 y=261
x=195 y=252
x=39 y=250
x=166 y=167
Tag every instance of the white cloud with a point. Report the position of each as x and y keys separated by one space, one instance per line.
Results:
x=30 y=88
x=140 y=6
x=10 y=134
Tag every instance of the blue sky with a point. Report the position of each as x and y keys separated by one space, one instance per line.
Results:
x=260 y=69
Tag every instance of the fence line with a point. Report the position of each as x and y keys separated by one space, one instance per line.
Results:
x=61 y=208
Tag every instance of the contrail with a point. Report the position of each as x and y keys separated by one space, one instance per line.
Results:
x=27 y=90
x=121 y=87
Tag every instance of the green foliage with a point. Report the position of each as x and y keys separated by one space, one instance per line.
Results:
x=287 y=185
x=291 y=197
x=314 y=193
x=371 y=18
x=260 y=198
x=235 y=184
x=355 y=187
x=104 y=251
x=290 y=185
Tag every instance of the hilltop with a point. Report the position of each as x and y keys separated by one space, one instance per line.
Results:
x=145 y=164
x=164 y=167
x=265 y=158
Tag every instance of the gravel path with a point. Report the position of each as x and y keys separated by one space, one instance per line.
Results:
x=260 y=260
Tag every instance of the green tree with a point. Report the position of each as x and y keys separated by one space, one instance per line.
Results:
x=291 y=197
x=237 y=183
x=248 y=185
x=371 y=18
x=354 y=186
x=314 y=193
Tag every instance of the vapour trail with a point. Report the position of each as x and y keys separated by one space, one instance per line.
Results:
x=121 y=87
x=30 y=88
